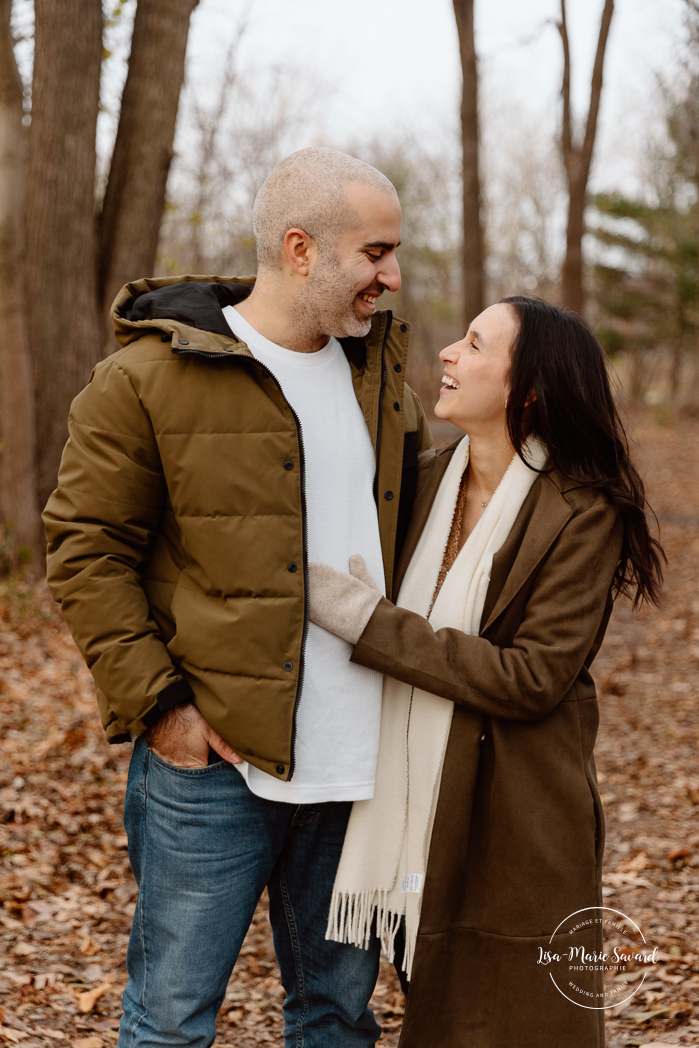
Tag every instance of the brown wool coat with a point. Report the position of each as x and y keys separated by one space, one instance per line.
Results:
x=518 y=835
x=177 y=530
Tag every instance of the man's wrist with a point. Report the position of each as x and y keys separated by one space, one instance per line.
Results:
x=176 y=695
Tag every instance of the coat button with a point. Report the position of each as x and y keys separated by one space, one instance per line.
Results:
x=397 y=367
x=388 y=495
x=288 y=464
x=288 y=666
x=396 y=405
x=292 y=567
x=183 y=342
x=280 y=769
x=404 y=328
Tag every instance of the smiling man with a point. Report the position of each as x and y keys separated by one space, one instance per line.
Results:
x=245 y=428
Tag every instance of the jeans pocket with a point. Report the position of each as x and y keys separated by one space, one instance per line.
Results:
x=205 y=769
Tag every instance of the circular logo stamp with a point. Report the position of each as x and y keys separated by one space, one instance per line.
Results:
x=597 y=958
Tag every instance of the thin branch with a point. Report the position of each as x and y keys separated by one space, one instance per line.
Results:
x=567 y=132
x=596 y=85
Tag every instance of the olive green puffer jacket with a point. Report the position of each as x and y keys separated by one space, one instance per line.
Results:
x=180 y=508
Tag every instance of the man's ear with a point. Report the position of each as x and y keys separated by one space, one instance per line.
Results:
x=300 y=250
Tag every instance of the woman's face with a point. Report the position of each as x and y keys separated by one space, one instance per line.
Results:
x=475 y=381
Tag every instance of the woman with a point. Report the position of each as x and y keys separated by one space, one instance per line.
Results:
x=523 y=533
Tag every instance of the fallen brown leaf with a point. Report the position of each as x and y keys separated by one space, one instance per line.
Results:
x=88 y=1042
x=635 y=865
x=87 y=1001
x=14 y=1036
x=680 y=1009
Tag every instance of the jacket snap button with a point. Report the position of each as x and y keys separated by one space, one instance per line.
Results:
x=404 y=327
x=396 y=405
x=288 y=464
x=288 y=666
x=292 y=567
x=280 y=769
x=183 y=342
x=388 y=495
x=397 y=367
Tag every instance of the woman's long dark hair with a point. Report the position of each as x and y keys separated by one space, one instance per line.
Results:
x=557 y=357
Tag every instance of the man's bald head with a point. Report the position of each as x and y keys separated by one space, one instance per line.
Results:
x=307 y=191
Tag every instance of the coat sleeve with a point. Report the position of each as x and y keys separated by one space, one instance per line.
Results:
x=101 y=521
x=567 y=603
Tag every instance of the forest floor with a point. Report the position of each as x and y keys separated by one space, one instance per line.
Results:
x=66 y=891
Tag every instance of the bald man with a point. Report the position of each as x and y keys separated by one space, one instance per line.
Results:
x=244 y=428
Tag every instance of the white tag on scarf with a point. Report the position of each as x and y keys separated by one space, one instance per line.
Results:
x=412 y=882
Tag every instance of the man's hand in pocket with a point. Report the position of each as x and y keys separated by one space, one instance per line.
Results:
x=182 y=737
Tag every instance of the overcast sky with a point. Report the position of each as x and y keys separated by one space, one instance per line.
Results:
x=391 y=64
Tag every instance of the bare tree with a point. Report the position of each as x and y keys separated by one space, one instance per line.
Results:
x=135 y=195
x=473 y=231
x=73 y=265
x=60 y=273
x=18 y=496
x=237 y=134
x=577 y=158
x=525 y=195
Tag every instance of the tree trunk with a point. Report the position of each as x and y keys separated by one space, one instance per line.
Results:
x=60 y=283
x=20 y=509
x=473 y=233
x=572 y=282
x=577 y=159
x=135 y=195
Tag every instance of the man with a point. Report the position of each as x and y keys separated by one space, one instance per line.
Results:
x=232 y=438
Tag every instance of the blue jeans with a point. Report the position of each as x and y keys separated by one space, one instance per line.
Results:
x=203 y=847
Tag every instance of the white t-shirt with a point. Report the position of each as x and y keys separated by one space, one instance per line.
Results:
x=339 y=711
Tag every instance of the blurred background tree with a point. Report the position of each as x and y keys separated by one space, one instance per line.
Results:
x=66 y=265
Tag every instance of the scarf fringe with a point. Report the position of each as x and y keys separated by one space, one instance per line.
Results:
x=351 y=918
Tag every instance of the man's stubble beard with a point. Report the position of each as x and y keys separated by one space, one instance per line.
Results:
x=326 y=307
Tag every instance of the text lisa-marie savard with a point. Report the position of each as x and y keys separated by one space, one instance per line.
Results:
x=583 y=956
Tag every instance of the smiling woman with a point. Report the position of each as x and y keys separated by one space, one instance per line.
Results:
x=473 y=397
x=486 y=804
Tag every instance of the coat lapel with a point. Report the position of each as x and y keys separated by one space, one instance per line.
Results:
x=432 y=466
x=540 y=521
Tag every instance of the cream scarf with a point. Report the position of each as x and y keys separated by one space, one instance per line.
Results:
x=384 y=858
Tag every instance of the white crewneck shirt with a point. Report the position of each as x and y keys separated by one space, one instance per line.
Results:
x=338 y=716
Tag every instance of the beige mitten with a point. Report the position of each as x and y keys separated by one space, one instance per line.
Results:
x=340 y=603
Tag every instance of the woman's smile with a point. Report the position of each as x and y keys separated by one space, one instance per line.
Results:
x=448 y=383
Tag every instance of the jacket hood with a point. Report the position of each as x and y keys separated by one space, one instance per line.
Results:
x=183 y=306
x=198 y=305
x=177 y=305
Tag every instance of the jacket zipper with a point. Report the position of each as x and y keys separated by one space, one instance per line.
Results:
x=304 y=527
x=379 y=425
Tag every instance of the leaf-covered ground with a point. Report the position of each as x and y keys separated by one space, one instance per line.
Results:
x=67 y=895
